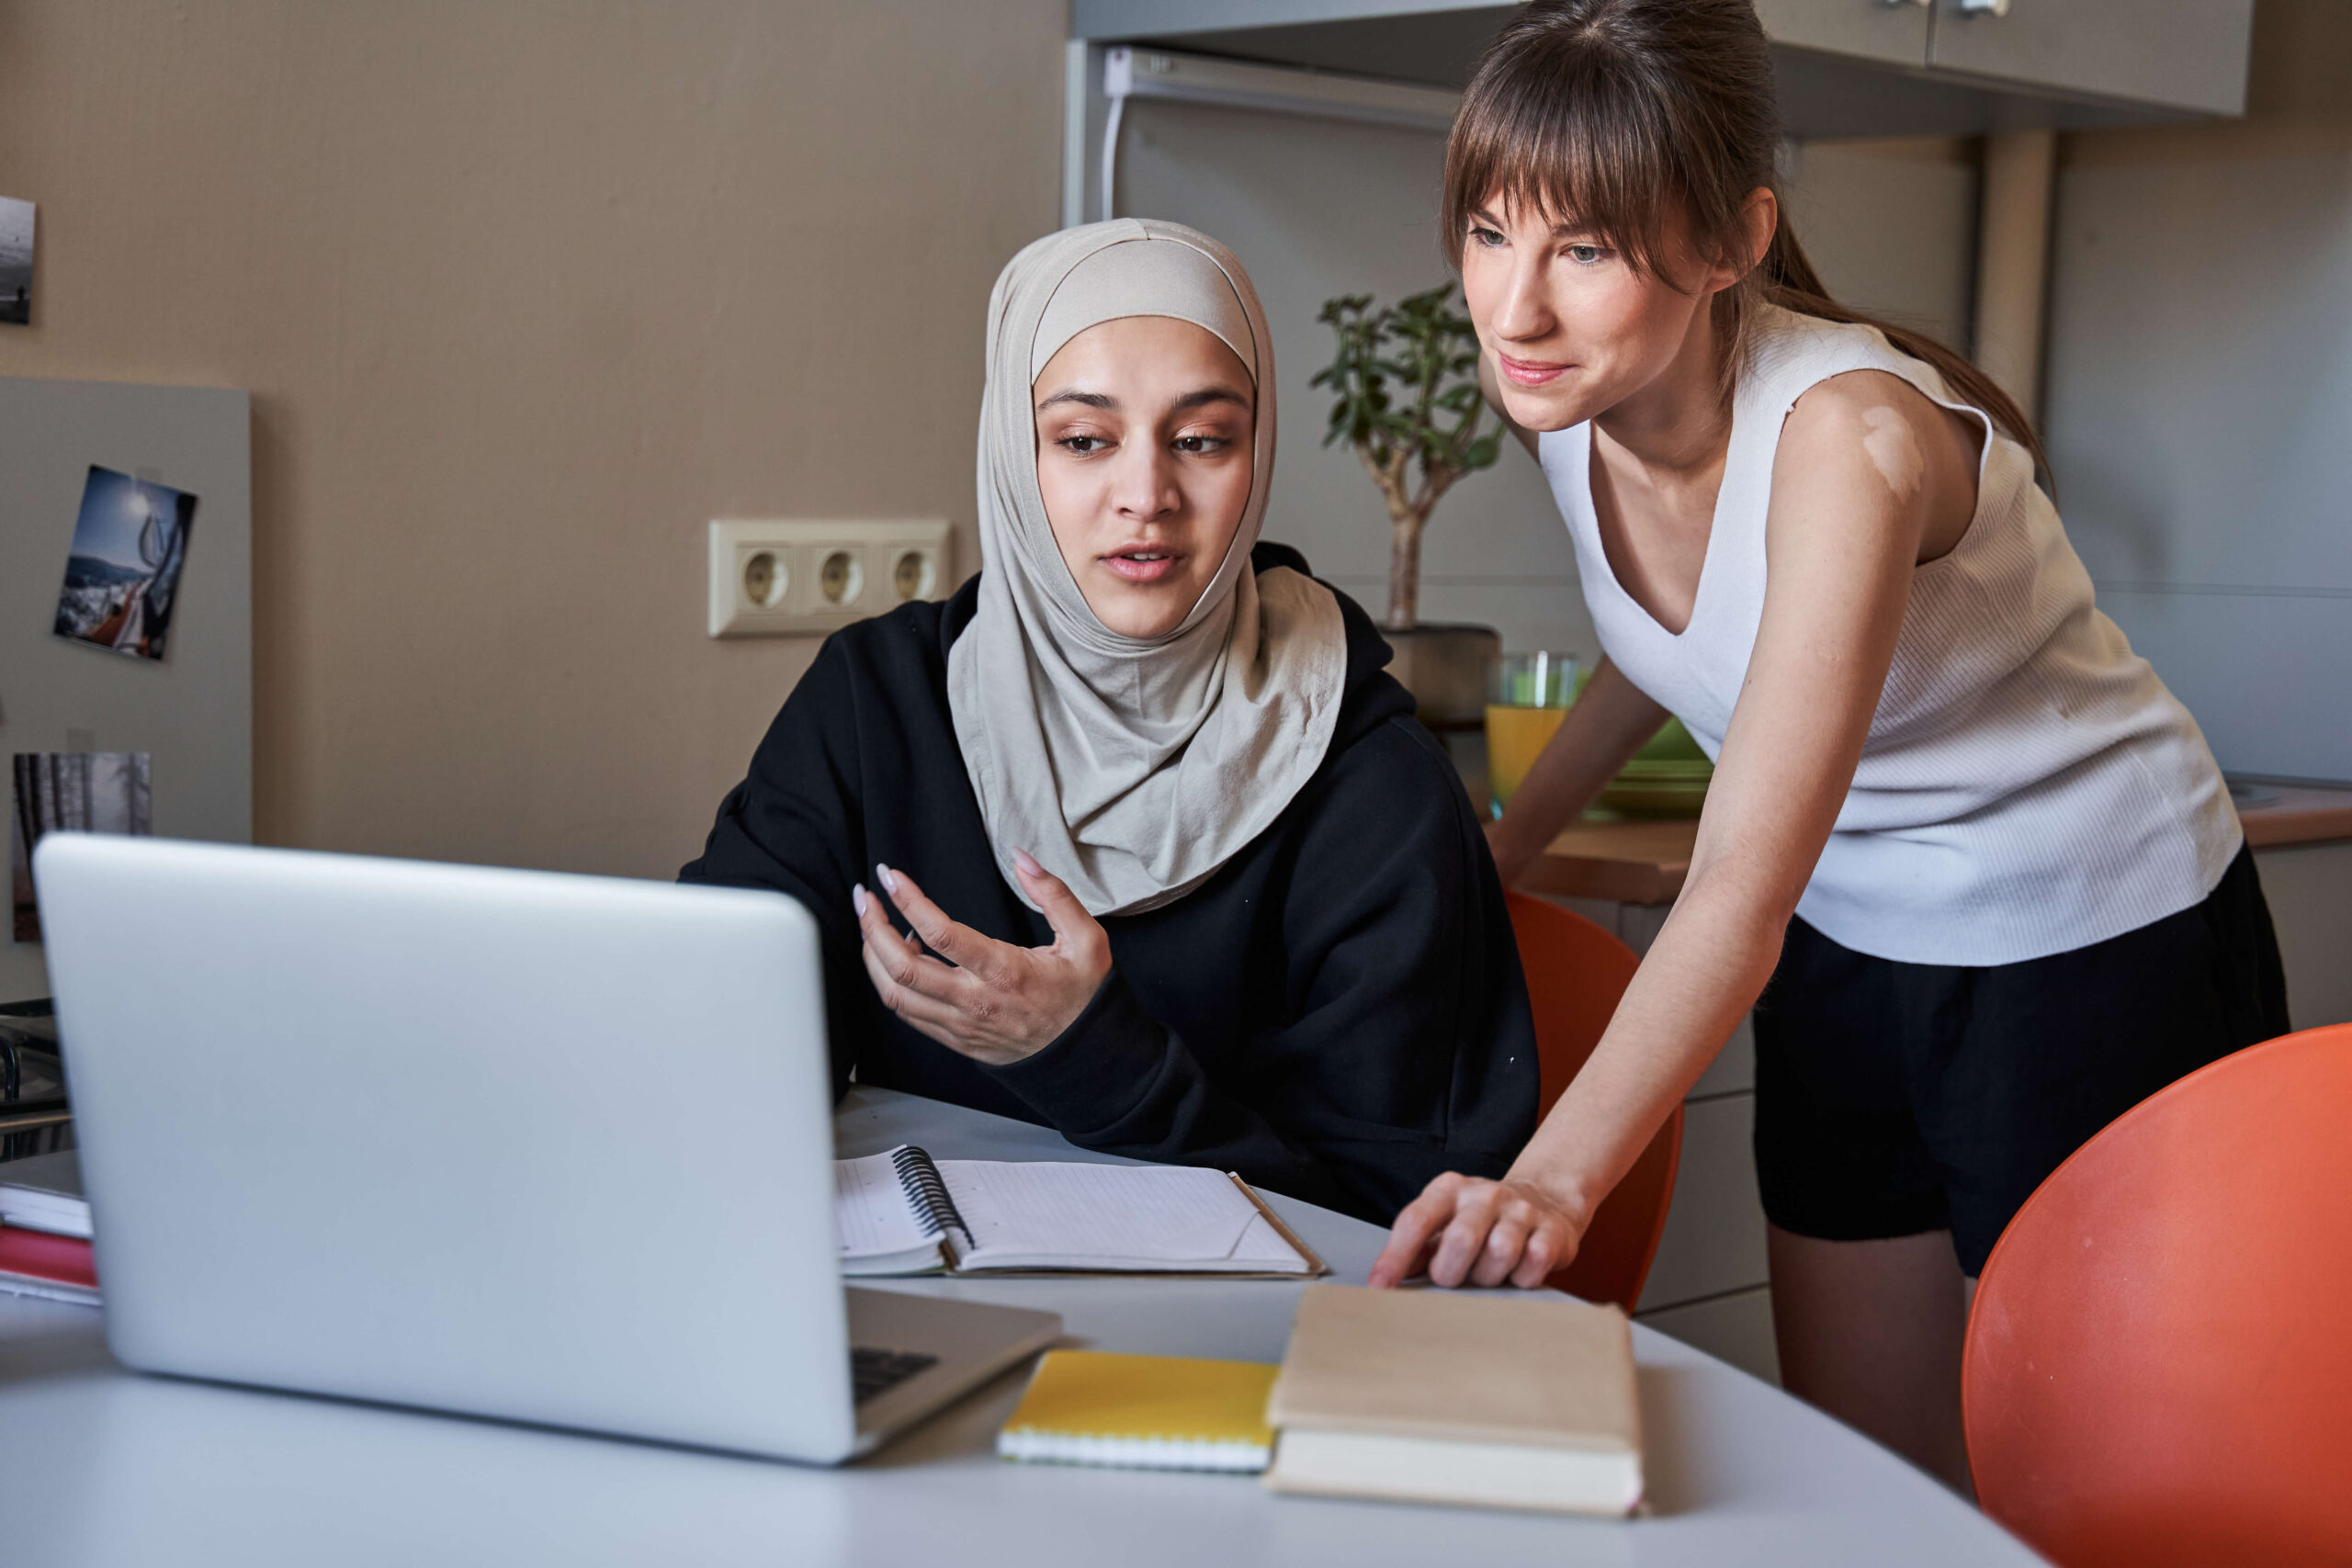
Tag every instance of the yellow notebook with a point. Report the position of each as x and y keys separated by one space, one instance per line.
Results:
x=1142 y=1412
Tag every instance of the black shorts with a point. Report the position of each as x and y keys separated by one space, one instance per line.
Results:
x=1894 y=1098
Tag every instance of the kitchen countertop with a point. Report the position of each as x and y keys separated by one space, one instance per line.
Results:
x=2303 y=814
x=1644 y=862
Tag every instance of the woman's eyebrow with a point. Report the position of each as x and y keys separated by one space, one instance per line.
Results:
x=1211 y=395
x=1560 y=231
x=1071 y=395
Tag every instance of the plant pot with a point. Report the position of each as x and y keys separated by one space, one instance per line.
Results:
x=1446 y=669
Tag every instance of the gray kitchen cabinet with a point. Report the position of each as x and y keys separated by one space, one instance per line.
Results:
x=2186 y=53
x=1873 y=30
x=1845 y=67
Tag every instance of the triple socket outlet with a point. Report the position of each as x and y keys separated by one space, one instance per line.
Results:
x=790 y=578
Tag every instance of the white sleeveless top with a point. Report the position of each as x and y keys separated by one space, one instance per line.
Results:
x=2028 y=787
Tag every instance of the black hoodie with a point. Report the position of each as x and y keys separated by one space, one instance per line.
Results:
x=1337 y=1014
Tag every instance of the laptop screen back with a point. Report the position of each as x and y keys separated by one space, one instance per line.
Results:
x=547 y=1147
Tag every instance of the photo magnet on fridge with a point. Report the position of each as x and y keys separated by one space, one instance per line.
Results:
x=16 y=261
x=124 y=571
x=97 y=792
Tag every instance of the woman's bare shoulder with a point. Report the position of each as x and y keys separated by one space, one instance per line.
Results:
x=1871 y=433
x=1854 y=403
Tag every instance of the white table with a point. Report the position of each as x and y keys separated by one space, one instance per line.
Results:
x=99 y=1466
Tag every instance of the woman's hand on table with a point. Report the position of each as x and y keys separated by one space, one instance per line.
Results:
x=991 y=1000
x=1469 y=1230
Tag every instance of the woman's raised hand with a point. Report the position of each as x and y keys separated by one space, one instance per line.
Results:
x=1468 y=1230
x=991 y=1000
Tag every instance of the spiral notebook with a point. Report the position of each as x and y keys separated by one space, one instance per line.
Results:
x=1142 y=1412
x=904 y=1212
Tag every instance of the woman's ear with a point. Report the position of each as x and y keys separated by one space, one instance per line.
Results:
x=1759 y=218
x=1748 y=243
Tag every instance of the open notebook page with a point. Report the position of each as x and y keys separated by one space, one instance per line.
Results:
x=880 y=1230
x=1139 y=1218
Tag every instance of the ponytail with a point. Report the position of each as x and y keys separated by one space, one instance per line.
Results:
x=1786 y=278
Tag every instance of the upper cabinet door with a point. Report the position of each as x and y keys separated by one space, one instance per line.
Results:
x=1894 y=31
x=2183 y=53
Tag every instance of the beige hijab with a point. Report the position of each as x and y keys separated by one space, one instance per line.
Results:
x=1131 y=768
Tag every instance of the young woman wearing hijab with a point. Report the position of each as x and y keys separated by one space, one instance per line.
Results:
x=1982 y=857
x=1189 y=882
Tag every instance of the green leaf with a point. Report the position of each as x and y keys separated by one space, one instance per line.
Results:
x=1404 y=381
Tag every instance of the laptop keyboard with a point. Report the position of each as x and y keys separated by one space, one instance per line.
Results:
x=873 y=1370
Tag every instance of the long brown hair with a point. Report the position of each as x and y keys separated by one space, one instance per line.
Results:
x=1615 y=113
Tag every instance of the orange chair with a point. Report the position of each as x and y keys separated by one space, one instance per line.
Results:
x=1576 y=972
x=2159 y=1363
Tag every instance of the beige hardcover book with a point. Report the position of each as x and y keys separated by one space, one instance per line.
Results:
x=1520 y=1399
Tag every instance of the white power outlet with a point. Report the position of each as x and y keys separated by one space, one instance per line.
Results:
x=789 y=578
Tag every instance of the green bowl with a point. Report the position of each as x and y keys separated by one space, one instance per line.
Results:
x=1667 y=777
x=1678 y=799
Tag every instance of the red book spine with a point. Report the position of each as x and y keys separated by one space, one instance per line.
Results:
x=37 y=1254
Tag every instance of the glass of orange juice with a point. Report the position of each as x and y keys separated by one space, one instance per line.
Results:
x=1527 y=695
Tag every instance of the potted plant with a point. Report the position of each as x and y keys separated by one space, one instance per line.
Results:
x=1406 y=399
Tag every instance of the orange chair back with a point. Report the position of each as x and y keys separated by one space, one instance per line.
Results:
x=1576 y=972
x=2159 y=1362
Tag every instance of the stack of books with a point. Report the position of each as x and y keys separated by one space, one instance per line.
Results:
x=1515 y=1400
x=45 y=1231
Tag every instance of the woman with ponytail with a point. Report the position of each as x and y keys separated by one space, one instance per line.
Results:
x=1971 y=863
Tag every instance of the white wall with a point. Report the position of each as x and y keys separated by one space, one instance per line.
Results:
x=2199 y=396
x=525 y=295
x=1892 y=225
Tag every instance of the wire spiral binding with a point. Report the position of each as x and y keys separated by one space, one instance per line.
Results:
x=926 y=1191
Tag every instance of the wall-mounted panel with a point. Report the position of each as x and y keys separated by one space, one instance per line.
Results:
x=192 y=709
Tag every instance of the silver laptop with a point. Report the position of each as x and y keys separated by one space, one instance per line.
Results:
x=552 y=1148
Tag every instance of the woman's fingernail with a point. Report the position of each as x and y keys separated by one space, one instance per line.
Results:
x=1027 y=863
x=857 y=899
x=887 y=878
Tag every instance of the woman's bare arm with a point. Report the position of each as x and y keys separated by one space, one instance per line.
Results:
x=1865 y=467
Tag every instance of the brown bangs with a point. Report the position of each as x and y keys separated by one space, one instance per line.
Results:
x=1553 y=130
